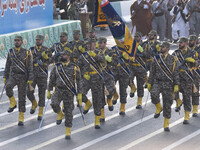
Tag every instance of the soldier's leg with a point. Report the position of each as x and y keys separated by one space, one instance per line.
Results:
x=22 y=100
x=9 y=92
x=110 y=87
x=186 y=89
x=115 y=96
x=123 y=84
x=87 y=102
x=42 y=86
x=55 y=104
x=167 y=102
x=68 y=107
x=140 y=77
x=155 y=94
x=96 y=88
x=131 y=84
x=31 y=97
x=195 y=100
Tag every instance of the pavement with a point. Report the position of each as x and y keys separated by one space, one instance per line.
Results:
x=137 y=130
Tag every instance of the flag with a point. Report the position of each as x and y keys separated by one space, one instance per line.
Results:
x=123 y=38
x=99 y=17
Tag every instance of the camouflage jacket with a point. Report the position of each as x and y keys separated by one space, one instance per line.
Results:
x=157 y=74
x=12 y=69
x=76 y=49
x=73 y=73
x=38 y=69
x=85 y=66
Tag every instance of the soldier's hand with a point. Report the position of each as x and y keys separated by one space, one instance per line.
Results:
x=92 y=54
x=140 y=49
x=86 y=76
x=79 y=99
x=190 y=59
x=29 y=82
x=81 y=49
x=44 y=55
x=48 y=95
x=176 y=88
x=125 y=55
x=108 y=58
x=4 y=80
x=149 y=86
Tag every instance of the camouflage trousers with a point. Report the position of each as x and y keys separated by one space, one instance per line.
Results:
x=123 y=78
x=109 y=85
x=20 y=81
x=166 y=89
x=41 y=82
x=186 y=90
x=63 y=94
x=95 y=84
x=140 y=74
x=195 y=96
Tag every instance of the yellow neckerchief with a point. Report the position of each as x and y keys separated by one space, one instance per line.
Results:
x=38 y=48
x=65 y=63
x=17 y=49
x=103 y=51
x=62 y=45
x=152 y=42
x=184 y=51
x=164 y=56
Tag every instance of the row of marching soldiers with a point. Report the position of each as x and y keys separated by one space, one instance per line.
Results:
x=83 y=65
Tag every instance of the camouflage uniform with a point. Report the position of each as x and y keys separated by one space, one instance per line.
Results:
x=139 y=72
x=186 y=83
x=62 y=93
x=162 y=84
x=195 y=96
x=150 y=49
x=121 y=76
x=95 y=83
x=60 y=47
x=16 y=76
x=77 y=47
x=40 y=75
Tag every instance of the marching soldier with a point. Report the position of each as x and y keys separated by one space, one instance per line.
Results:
x=89 y=64
x=18 y=71
x=77 y=46
x=195 y=96
x=40 y=71
x=138 y=70
x=92 y=35
x=63 y=45
x=108 y=75
x=163 y=78
x=187 y=59
x=64 y=76
x=158 y=10
x=151 y=47
x=122 y=74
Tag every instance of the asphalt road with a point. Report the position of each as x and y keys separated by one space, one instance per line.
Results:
x=131 y=131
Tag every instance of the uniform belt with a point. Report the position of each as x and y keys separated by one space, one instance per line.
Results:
x=118 y=65
x=159 y=14
x=150 y=59
x=182 y=70
x=92 y=72
x=35 y=65
x=136 y=64
x=74 y=59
